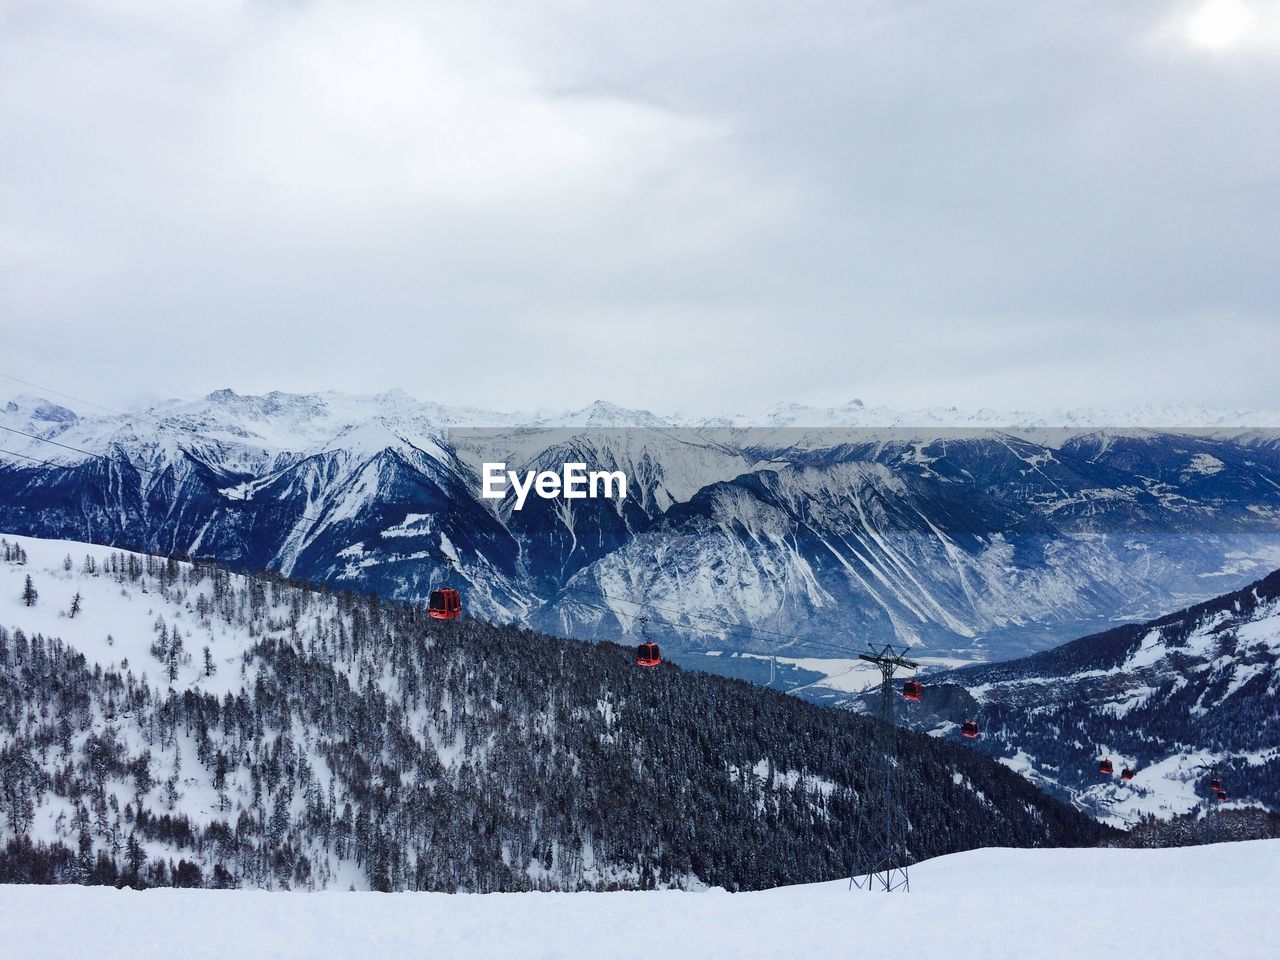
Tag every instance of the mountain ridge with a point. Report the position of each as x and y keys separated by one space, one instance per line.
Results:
x=1179 y=699
x=189 y=726
x=976 y=543
x=603 y=413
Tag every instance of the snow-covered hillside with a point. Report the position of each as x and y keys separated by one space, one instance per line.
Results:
x=1048 y=904
x=115 y=626
x=192 y=727
x=1180 y=700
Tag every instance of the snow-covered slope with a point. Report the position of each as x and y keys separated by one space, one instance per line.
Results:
x=1048 y=904
x=115 y=626
x=1179 y=700
x=190 y=726
x=974 y=535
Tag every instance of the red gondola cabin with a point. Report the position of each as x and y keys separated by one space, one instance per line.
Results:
x=648 y=655
x=1222 y=796
x=1215 y=784
x=444 y=604
x=1105 y=768
x=912 y=690
x=969 y=729
x=1126 y=773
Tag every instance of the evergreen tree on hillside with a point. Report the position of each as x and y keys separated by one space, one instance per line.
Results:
x=29 y=593
x=174 y=656
x=12 y=553
x=366 y=737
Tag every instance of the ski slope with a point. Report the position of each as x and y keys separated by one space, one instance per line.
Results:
x=1046 y=904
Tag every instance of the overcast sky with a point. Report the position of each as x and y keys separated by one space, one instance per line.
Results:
x=692 y=205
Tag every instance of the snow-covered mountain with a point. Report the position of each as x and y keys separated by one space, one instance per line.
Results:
x=165 y=723
x=1179 y=700
x=979 y=535
x=857 y=414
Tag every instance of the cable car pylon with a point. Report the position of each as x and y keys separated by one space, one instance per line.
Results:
x=886 y=865
x=1213 y=807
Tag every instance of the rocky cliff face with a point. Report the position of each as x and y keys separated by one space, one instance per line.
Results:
x=976 y=542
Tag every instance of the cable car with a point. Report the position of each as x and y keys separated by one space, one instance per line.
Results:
x=444 y=604
x=1126 y=773
x=912 y=690
x=969 y=729
x=1215 y=784
x=648 y=654
x=1105 y=768
x=1222 y=796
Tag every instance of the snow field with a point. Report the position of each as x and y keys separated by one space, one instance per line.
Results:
x=995 y=903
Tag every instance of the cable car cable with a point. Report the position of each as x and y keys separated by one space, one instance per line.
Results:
x=65 y=396
x=223 y=500
x=14 y=453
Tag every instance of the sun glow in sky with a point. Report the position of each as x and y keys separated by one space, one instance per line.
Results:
x=1219 y=24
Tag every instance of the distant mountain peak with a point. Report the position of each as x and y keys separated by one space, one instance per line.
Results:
x=397 y=404
x=927 y=532
x=37 y=409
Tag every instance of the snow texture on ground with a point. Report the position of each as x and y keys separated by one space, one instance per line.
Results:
x=1046 y=904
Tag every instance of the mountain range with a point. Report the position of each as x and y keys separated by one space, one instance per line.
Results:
x=807 y=535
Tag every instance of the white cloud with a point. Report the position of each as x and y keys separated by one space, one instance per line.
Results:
x=544 y=203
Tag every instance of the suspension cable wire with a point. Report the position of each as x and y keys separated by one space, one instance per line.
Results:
x=740 y=631
x=220 y=500
x=743 y=630
x=159 y=474
x=711 y=618
x=146 y=415
x=735 y=628
x=47 y=463
x=67 y=396
x=215 y=498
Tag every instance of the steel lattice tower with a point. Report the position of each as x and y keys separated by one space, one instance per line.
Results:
x=887 y=867
x=1213 y=807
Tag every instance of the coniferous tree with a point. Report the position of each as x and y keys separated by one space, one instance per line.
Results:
x=433 y=758
x=29 y=593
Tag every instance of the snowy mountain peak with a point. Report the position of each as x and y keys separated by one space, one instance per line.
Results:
x=37 y=412
x=600 y=414
x=336 y=409
x=968 y=540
